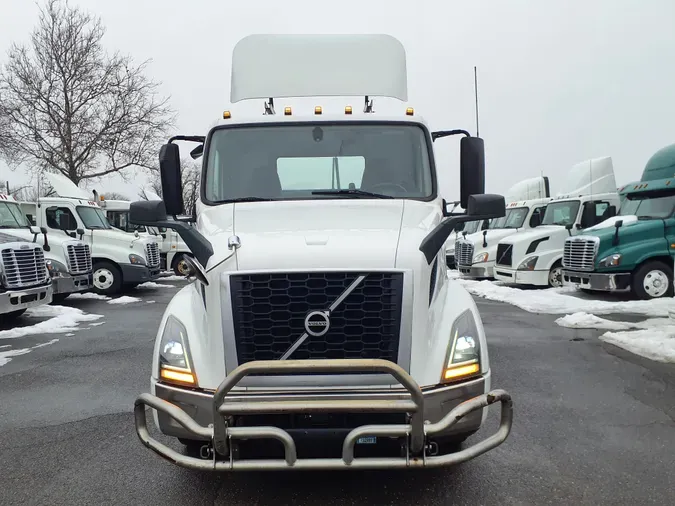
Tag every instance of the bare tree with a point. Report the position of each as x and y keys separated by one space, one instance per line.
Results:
x=113 y=196
x=190 y=176
x=69 y=107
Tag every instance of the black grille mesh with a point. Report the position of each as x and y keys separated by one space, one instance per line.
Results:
x=269 y=313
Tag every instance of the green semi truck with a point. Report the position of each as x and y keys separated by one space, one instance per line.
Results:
x=634 y=250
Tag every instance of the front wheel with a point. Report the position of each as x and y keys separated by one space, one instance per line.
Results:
x=180 y=266
x=107 y=278
x=653 y=280
x=555 y=275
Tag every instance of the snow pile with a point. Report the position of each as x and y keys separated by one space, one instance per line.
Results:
x=564 y=300
x=125 y=299
x=62 y=319
x=88 y=295
x=173 y=277
x=152 y=284
x=6 y=356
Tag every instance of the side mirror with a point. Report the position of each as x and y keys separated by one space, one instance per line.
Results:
x=485 y=206
x=535 y=221
x=615 y=239
x=611 y=212
x=569 y=228
x=588 y=215
x=36 y=230
x=172 y=183
x=472 y=169
x=80 y=232
x=147 y=212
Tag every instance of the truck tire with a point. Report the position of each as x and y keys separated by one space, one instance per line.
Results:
x=12 y=315
x=555 y=275
x=107 y=278
x=652 y=280
x=179 y=266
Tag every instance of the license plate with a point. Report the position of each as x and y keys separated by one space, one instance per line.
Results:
x=370 y=440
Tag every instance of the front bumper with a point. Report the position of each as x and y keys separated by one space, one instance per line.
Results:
x=72 y=284
x=212 y=418
x=478 y=271
x=605 y=282
x=136 y=274
x=18 y=299
x=509 y=275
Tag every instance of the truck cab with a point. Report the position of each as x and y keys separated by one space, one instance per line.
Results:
x=321 y=316
x=535 y=257
x=68 y=260
x=476 y=254
x=120 y=260
x=635 y=250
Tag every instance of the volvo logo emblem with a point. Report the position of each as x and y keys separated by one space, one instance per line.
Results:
x=317 y=323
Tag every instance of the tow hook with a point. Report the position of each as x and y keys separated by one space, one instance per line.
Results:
x=431 y=449
x=206 y=451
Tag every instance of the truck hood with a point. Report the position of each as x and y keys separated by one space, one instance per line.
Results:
x=533 y=234
x=492 y=237
x=609 y=222
x=310 y=234
x=641 y=234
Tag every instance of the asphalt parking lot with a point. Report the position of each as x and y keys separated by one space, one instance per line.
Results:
x=593 y=424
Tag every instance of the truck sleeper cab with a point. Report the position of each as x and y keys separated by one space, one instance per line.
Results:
x=321 y=316
x=24 y=279
x=634 y=250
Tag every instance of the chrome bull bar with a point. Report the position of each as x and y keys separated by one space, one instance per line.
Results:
x=416 y=431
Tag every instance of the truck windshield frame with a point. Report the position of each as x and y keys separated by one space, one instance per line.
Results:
x=382 y=145
x=16 y=214
x=662 y=204
x=573 y=211
x=515 y=217
x=93 y=218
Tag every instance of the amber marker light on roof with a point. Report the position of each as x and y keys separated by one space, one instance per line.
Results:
x=227 y=115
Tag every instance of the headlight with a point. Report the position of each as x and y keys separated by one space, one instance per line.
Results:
x=463 y=357
x=611 y=260
x=56 y=268
x=528 y=264
x=480 y=257
x=175 y=364
x=136 y=259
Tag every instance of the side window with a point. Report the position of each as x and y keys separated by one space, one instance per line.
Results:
x=60 y=217
x=600 y=208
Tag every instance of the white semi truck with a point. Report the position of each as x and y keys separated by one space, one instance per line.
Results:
x=321 y=331
x=535 y=258
x=68 y=260
x=120 y=261
x=475 y=254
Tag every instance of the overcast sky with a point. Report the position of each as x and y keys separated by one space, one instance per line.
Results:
x=559 y=82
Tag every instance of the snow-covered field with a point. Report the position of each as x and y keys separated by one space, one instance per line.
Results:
x=653 y=338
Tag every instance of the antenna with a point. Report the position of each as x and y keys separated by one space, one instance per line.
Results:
x=475 y=88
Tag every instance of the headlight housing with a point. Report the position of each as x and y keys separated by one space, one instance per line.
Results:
x=462 y=359
x=480 y=258
x=136 y=259
x=175 y=362
x=528 y=264
x=55 y=268
x=611 y=260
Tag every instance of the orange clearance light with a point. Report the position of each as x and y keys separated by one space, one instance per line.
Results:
x=227 y=114
x=287 y=111
x=348 y=109
x=410 y=111
x=317 y=109
x=101 y=198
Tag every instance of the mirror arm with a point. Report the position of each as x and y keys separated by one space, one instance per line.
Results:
x=435 y=239
x=199 y=245
x=446 y=133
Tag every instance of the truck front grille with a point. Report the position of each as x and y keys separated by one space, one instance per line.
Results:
x=152 y=250
x=79 y=259
x=463 y=252
x=579 y=253
x=504 y=254
x=24 y=266
x=269 y=312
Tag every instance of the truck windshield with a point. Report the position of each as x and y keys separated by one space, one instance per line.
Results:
x=497 y=223
x=658 y=204
x=12 y=217
x=315 y=161
x=120 y=219
x=93 y=217
x=516 y=217
x=471 y=227
x=561 y=213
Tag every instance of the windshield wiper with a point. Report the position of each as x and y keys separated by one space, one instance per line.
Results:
x=647 y=217
x=356 y=193
x=246 y=199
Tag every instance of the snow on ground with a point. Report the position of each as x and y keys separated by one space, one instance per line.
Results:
x=62 y=319
x=173 y=277
x=564 y=300
x=125 y=299
x=88 y=295
x=6 y=356
x=152 y=284
x=655 y=344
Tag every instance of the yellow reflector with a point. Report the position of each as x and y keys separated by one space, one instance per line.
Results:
x=182 y=377
x=227 y=115
x=287 y=111
x=348 y=109
x=667 y=183
x=101 y=198
x=317 y=109
x=461 y=371
x=410 y=111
